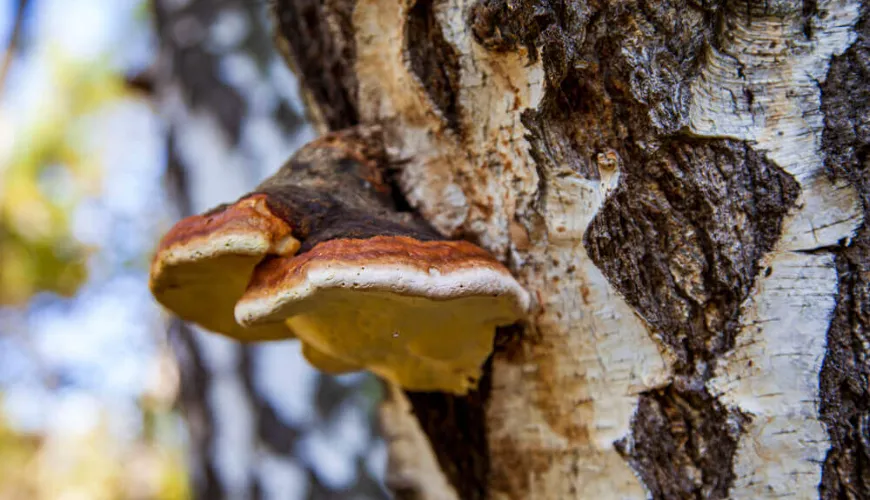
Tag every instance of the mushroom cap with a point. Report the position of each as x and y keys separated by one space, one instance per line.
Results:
x=419 y=313
x=203 y=264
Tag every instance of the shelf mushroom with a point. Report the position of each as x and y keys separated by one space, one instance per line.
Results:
x=361 y=285
x=420 y=313
x=203 y=264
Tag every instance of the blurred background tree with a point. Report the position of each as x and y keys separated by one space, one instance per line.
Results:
x=117 y=117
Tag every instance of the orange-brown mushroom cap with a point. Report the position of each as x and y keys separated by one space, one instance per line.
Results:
x=204 y=263
x=419 y=313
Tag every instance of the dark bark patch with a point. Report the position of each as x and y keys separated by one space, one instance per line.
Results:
x=681 y=237
x=642 y=54
x=456 y=428
x=683 y=442
x=846 y=105
x=502 y=25
x=617 y=87
x=433 y=60
x=617 y=74
x=319 y=36
x=845 y=377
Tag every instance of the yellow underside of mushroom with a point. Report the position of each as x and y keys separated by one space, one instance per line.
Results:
x=420 y=344
x=205 y=292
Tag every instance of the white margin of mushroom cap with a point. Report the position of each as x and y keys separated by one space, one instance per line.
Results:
x=403 y=280
x=242 y=243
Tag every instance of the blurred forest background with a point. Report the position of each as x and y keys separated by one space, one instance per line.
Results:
x=117 y=117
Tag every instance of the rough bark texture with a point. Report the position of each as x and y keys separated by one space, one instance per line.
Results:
x=317 y=40
x=433 y=60
x=687 y=443
x=687 y=263
x=655 y=174
x=845 y=377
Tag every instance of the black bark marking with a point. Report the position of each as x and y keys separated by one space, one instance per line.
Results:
x=845 y=393
x=845 y=377
x=319 y=36
x=433 y=60
x=681 y=238
x=695 y=440
x=688 y=226
x=638 y=56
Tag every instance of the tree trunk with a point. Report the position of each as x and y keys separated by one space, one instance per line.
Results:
x=682 y=186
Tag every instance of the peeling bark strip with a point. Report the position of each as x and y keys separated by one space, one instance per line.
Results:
x=845 y=377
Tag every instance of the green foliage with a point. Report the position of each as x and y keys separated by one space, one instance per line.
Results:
x=44 y=175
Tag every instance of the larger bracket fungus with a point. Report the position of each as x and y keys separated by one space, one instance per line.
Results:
x=318 y=251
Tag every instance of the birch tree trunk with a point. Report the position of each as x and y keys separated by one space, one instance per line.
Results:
x=681 y=184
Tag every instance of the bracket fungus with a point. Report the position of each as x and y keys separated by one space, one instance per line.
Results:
x=319 y=252
x=203 y=264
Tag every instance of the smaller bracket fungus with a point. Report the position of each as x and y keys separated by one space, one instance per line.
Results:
x=204 y=263
x=320 y=250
